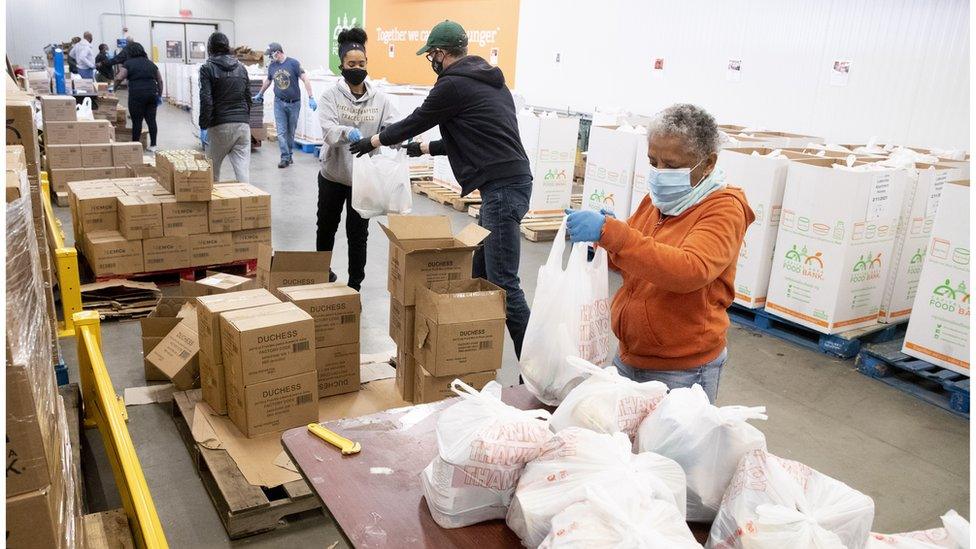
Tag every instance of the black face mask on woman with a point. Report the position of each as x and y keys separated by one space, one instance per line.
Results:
x=354 y=77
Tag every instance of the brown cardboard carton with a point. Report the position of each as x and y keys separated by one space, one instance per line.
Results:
x=334 y=307
x=184 y=218
x=33 y=519
x=165 y=253
x=255 y=205
x=460 y=327
x=402 y=324
x=99 y=173
x=406 y=368
x=209 y=308
x=61 y=177
x=95 y=131
x=58 y=108
x=96 y=208
x=216 y=283
x=140 y=217
x=428 y=388
x=109 y=253
x=424 y=250
x=139 y=185
x=247 y=242
x=63 y=156
x=210 y=249
x=144 y=170
x=22 y=131
x=98 y=155
x=337 y=368
x=33 y=449
x=192 y=180
x=224 y=211
x=13 y=186
x=60 y=133
x=176 y=356
x=267 y=342
x=279 y=269
x=275 y=405
x=126 y=154
x=155 y=327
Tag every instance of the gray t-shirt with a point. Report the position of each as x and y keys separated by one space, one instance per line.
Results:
x=285 y=76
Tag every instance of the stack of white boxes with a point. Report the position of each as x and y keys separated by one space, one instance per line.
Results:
x=610 y=161
x=550 y=142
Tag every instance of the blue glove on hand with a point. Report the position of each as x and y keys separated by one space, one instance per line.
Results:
x=585 y=225
x=312 y=104
x=354 y=135
x=258 y=98
x=607 y=212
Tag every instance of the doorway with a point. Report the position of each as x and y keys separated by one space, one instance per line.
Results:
x=180 y=42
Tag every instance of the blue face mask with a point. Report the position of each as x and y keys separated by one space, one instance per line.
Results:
x=671 y=190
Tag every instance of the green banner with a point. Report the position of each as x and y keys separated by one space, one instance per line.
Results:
x=343 y=14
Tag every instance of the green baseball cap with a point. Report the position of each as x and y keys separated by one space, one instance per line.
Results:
x=446 y=34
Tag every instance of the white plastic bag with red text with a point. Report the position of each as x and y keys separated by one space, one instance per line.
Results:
x=381 y=184
x=570 y=317
x=953 y=535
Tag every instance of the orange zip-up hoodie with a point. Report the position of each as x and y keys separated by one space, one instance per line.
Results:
x=679 y=275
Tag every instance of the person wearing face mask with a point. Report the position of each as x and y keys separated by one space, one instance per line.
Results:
x=285 y=72
x=677 y=255
x=476 y=116
x=350 y=109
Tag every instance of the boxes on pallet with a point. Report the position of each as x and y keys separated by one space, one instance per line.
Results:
x=58 y=108
x=424 y=250
x=550 y=143
x=832 y=256
x=224 y=210
x=166 y=253
x=99 y=173
x=334 y=307
x=192 y=179
x=126 y=154
x=61 y=177
x=95 y=206
x=61 y=133
x=33 y=446
x=610 y=169
x=140 y=217
x=63 y=156
x=430 y=388
x=95 y=131
x=110 y=253
x=278 y=269
x=248 y=241
x=255 y=205
x=184 y=218
x=97 y=155
x=166 y=162
x=210 y=249
x=938 y=331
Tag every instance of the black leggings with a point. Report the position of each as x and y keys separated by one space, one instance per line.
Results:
x=143 y=106
x=332 y=197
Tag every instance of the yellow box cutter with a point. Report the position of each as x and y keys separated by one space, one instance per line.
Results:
x=347 y=446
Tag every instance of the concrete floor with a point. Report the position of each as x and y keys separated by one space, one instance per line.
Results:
x=911 y=457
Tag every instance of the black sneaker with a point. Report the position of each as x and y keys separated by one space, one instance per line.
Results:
x=283 y=164
x=291 y=161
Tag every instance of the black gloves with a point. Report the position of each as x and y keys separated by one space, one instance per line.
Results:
x=413 y=149
x=361 y=147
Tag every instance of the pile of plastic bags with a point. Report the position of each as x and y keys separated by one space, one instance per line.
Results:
x=953 y=535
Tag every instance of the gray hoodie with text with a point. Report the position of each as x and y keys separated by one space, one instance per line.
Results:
x=339 y=112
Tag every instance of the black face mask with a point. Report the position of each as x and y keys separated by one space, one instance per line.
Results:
x=354 y=77
x=438 y=66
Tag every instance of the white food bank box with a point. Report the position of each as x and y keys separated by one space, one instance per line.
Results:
x=552 y=163
x=938 y=331
x=610 y=169
x=642 y=170
x=834 y=243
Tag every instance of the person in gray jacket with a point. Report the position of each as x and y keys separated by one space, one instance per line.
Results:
x=347 y=111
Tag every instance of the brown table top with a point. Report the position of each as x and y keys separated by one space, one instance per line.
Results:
x=375 y=496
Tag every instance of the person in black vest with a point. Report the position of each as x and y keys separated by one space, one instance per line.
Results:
x=145 y=91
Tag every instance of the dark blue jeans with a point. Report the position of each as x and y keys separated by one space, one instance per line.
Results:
x=503 y=205
x=286 y=120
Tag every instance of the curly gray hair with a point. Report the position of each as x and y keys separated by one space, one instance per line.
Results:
x=690 y=122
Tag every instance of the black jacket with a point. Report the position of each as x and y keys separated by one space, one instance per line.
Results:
x=476 y=114
x=103 y=67
x=225 y=95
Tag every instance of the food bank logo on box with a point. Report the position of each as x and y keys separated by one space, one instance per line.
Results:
x=866 y=268
x=915 y=263
x=555 y=175
x=601 y=198
x=809 y=265
x=953 y=298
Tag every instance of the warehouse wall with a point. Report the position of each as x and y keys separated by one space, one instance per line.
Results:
x=31 y=24
x=909 y=81
x=301 y=26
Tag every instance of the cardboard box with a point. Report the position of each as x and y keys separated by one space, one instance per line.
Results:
x=267 y=342
x=176 y=356
x=423 y=250
x=121 y=171
x=428 y=388
x=192 y=180
x=144 y=170
x=139 y=185
x=460 y=327
x=610 y=169
x=58 y=108
x=406 y=373
x=22 y=131
x=938 y=331
x=334 y=307
x=210 y=249
x=919 y=205
x=96 y=156
x=33 y=447
x=126 y=154
x=832 y=256
x=337 y=369
x=33 y=519
x=277 y=269
x=184 y=218
x=255 y=205
x=95 y=131
x=96 y=208
x=140 y=217
x=402 y=324
x=156 y=326
x=216 y=283
x=99 y=173
x=275 y=405
x=61 y=177
x=165 y=253
x=209 y=308
x=108 y=252
x=60 y=133
x=14 y=184
x=786 y=139
x=63 y=156
x=248 y=242
x=224 y=211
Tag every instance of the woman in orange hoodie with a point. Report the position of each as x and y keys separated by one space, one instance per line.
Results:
x=677 y=255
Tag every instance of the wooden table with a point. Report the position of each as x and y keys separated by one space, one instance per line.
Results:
x=375 y=496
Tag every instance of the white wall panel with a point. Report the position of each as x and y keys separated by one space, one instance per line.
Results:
x=301 y=26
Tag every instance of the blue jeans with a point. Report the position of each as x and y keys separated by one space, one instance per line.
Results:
x=705 y=375
x=86 y=73
x=286 y=120
x=503 y=205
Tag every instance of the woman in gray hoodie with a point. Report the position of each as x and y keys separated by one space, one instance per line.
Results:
x=349 y=110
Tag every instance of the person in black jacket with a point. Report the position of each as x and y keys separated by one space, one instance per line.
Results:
x=480 y=137
x=145 y=91
x=105 y=71
x=225 y=107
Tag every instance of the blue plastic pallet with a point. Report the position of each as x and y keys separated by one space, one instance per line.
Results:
x=933 y=384
x=844 y=345
x=311 y=148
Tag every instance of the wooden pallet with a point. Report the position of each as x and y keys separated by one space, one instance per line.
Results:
x=107 y=530
x=541 y=228
x=448 y=197
x=244 y=509
x=173 y=276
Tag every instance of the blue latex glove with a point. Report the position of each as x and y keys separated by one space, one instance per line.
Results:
x=354 y=135
x=608 y=212
x=585 y=225
x=258 y=98
x=312 y=104
x=203 y=135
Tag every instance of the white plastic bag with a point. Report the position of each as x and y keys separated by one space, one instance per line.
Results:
x=953 y=535
x=607 y=402
x=381 y=184
x=576 y=459
x=570 y=317
x=707 y=441
x=483 y=446
x=773 y=503
x=601 y=522
x=84 y=109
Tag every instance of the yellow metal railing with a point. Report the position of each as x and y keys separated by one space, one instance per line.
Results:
x=65 y=264
x=106 y=410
